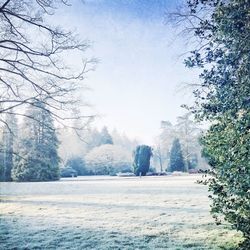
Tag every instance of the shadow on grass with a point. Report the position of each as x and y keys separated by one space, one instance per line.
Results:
x=187 y=208
x=18 y=233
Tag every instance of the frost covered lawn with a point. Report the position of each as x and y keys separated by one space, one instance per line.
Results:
x=110 y=213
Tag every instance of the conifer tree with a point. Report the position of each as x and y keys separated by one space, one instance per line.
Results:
x=105 y=137
x=142 y=155
x=176 y=157
x=38 y=159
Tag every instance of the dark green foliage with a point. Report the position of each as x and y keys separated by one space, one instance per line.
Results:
x=78 y=164
x=228 y=151
x=176 y=158
x=37 y=158
x=142 y=157
x=68 y=172
x=225 y=57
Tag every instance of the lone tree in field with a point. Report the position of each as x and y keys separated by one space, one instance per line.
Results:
x=222 y=28
x=176 y=158
x=142 y=155
x=37 y=158
x=32 y=65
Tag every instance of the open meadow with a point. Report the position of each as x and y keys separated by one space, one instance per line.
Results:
x=110 y=213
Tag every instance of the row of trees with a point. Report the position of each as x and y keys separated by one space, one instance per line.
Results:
x=109 y=159
x=83 y=142
x=101 y=151
x=29 y=152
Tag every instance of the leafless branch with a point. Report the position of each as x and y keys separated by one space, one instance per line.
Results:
x=32 y=59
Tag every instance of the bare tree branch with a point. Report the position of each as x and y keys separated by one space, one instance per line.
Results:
x=32 y=59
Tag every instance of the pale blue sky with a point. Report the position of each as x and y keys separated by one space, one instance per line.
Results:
x=135 y=84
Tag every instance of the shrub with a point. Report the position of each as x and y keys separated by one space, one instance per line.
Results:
x=68 y=172
x=108 y=160
x=78 y=164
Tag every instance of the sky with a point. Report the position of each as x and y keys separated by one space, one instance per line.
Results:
x=138 y=80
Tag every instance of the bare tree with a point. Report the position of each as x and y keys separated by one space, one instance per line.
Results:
x=189 y=133
x=158 y=154
x=32 y=60
x=162 y=145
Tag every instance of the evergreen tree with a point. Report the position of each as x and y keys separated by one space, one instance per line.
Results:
x=105 y=137
x=7 y=148
x=176 y=158
x=38 y=159
x=142 y=155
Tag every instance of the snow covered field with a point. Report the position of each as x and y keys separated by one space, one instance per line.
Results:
x=110 y=213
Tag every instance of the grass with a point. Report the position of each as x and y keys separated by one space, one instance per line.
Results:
x=113 y=213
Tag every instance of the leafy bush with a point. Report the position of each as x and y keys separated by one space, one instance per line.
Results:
x=68 y=172
x=78 y=164
x=108 y=159
x=222 y=27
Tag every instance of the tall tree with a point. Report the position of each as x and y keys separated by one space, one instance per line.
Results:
x=159 y=155
x=223 y=29
x=9 y=139
x=32 y=58
x=142 y=155
x=163 y=144
x=38 y=159
x=189 y=134
x=176 y=158
x=105 y=137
